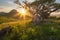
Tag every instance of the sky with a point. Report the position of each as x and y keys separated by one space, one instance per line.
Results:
x=8 y=5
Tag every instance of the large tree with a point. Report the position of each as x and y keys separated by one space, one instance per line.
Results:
x=40 y=9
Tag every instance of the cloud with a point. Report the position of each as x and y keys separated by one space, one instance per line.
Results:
x=10 y=2
x=30 y=0
x=5 y=9
x=1 y=8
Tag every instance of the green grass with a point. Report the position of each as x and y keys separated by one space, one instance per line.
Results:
x=23 y=30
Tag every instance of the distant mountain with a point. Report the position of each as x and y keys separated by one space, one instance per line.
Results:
x=3 y=14
x=13 y=13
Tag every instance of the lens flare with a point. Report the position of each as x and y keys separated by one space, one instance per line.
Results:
x=22 y=11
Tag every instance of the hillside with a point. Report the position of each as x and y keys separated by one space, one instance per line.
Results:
x=13 y=13
x=8 y=17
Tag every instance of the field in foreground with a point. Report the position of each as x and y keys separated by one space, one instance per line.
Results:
x=23 y=30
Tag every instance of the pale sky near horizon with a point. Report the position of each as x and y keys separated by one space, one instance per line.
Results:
x=7 y=5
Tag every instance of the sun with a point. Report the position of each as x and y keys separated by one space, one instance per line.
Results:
x=23 y=11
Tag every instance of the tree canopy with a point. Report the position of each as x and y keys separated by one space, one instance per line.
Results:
x=40 y=9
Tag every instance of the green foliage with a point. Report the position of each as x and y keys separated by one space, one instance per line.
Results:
x=6 y=19
x=37 y=2
x=46 y=31
x=57 y=5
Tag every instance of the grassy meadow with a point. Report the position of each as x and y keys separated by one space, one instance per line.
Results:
x=24 y=30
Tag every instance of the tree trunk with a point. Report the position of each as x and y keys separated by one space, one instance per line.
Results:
x=37 y=19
